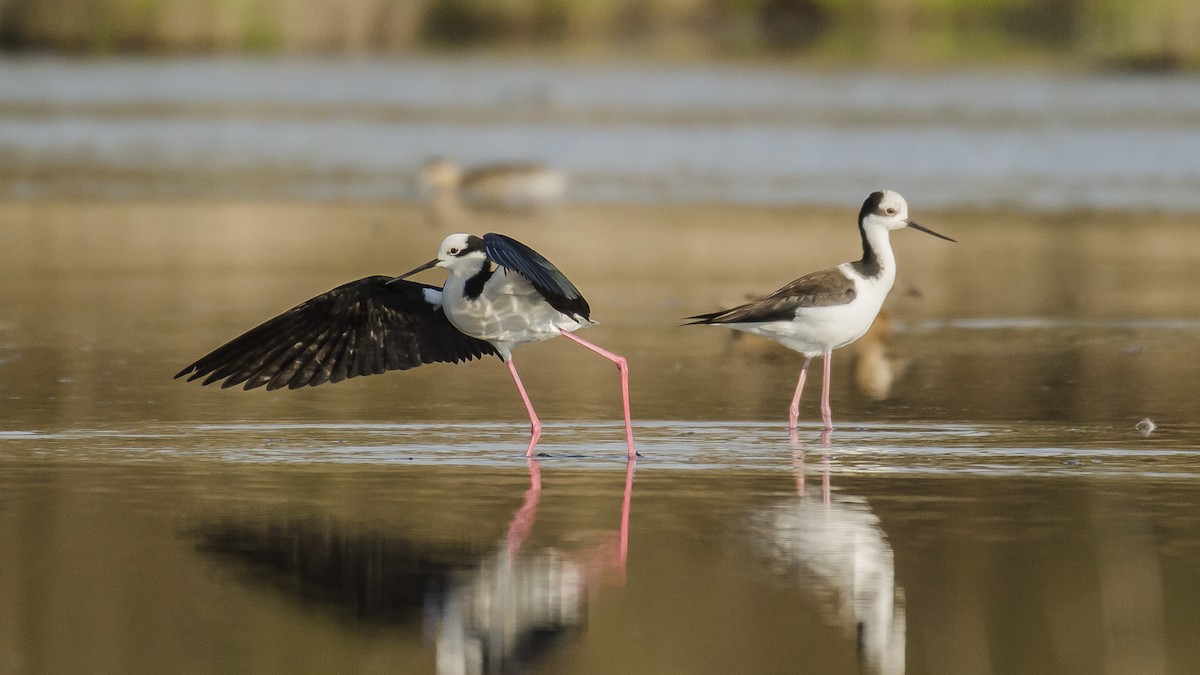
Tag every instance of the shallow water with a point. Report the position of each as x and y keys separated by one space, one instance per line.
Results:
x=413 y=547
x=748 y=134
x=984 y=505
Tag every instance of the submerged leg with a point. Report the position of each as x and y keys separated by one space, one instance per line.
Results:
x=826 y=411
x=623 y=367
x=535 y=425
x=794 y=411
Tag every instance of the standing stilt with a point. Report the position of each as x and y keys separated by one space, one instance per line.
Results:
x=831 y=308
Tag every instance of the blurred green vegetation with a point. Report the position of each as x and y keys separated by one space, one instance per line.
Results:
x=1138 y=34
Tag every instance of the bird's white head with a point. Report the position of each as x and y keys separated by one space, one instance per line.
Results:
x=459 y=253
x=884 y=209
x=887 y=210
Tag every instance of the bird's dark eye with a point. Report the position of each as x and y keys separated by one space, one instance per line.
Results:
x=891 y=211
x=453 y=251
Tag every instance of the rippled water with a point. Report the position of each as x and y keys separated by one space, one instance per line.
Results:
x=417 y=548
x=986 y=503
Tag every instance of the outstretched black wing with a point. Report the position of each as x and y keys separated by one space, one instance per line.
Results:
x=365 y=327
x=545 y=277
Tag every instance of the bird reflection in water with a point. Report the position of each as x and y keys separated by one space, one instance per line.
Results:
x=876 y=369
x=838 y=549
x=499 y=615
x=486 y=612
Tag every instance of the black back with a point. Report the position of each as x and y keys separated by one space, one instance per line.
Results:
x=554 y=286
x=364 y=327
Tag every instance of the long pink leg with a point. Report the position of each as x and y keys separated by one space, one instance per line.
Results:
x=623 y=367
x=535 y=425
x=794 y=411
x=826 y=411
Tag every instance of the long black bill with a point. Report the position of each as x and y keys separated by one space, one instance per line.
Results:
x=916 y=226
x=431 y=263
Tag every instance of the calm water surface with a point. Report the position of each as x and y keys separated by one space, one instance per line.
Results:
x=985 y=504
x=750 y=134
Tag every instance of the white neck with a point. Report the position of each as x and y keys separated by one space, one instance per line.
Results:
x=879 y=245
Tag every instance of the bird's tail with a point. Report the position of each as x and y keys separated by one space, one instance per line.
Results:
x=702 y=319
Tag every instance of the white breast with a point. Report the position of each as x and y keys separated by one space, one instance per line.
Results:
x=817 y=329
x=509 y=311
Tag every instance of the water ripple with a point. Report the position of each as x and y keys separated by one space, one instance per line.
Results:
x=915 y=448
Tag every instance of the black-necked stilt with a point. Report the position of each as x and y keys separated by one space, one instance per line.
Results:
x=825 y=310
x=500 y=293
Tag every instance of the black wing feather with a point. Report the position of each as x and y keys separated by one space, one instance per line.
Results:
x=364 y=327
x=545 y=277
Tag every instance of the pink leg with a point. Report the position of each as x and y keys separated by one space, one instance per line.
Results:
x=623 y=367
x=522 y=522
x=794 y=411
x=535 y=425
x=826 y=411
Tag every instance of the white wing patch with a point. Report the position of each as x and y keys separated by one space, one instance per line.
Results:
x=433 y=296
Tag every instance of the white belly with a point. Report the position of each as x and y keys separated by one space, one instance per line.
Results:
x=508 y=312
x=816 y=330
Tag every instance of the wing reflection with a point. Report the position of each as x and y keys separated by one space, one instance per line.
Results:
x=836 y=545
x=485 y=611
